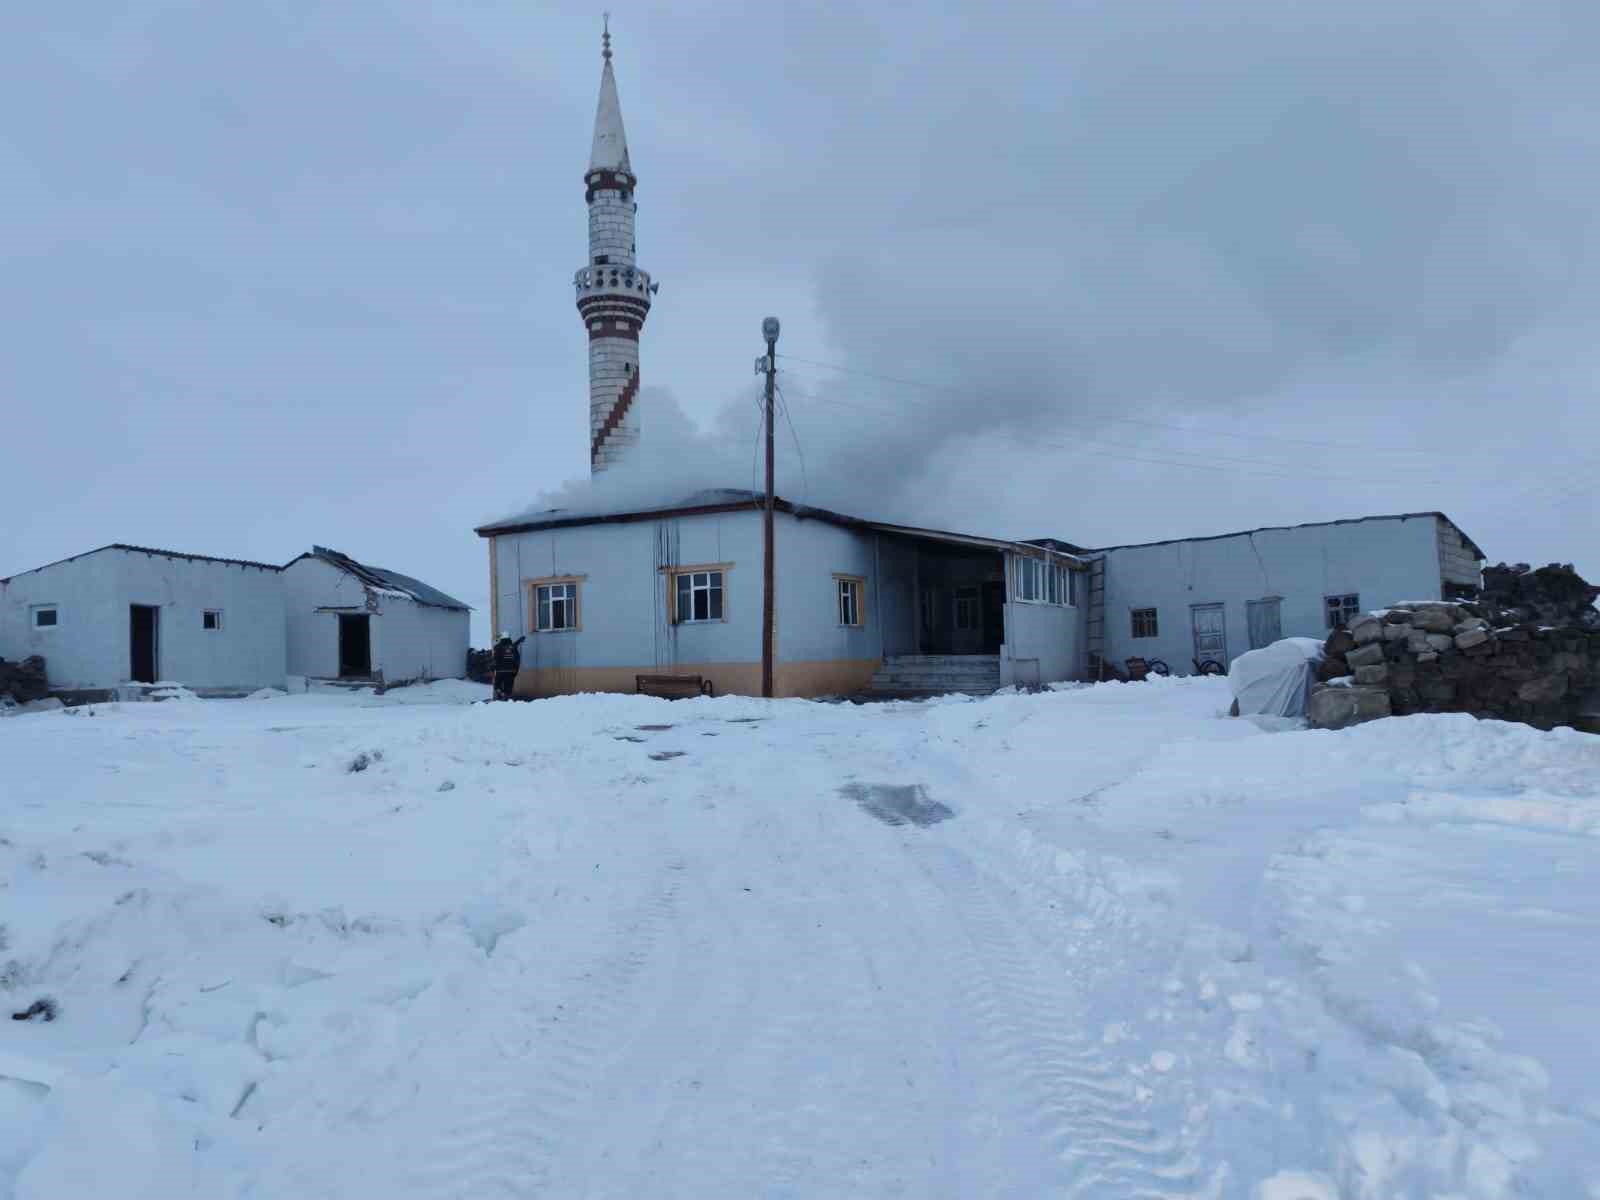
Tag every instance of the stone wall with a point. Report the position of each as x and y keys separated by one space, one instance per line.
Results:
x=1527 y=649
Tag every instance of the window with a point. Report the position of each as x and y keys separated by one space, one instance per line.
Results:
x=1342 y=610
x=699 y=597
x=1144 y=623
x=966 y=613
x=211 y=619
x=45 y=616
x=1265 y=620
x=849 y=589
x=555 y=606
x=1030 y=580
x=1040 y=582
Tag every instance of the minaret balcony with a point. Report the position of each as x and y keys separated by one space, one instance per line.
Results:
x=620 y=282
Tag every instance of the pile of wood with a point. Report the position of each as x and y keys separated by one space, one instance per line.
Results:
x=480 y=666
x=24 y=681
x=1527 y=649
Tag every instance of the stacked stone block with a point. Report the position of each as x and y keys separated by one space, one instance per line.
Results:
x=1527 y=650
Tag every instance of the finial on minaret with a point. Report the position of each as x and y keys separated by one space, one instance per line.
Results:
x=605 y=36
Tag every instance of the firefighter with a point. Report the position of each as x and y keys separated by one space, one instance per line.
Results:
x=507 y=661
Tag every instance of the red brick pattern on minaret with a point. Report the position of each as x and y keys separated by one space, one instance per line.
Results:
x=619 y=410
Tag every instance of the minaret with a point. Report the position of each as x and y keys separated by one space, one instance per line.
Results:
x=613 y=294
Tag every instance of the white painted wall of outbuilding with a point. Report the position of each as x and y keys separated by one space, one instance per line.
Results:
x=1381 y=560
x=410 y=641
x=89 y=647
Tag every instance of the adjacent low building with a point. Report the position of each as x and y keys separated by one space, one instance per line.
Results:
x=126 y=616
x=348 y=620
x=1192 y=601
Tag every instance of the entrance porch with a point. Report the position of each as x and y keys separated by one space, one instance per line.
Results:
x=944 y=616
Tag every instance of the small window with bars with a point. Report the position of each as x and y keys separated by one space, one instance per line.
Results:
x=1145 y=624
x=849 y=589
x=1343 y=609
x=211 y=620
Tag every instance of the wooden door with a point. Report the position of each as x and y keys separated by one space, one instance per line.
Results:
x=1210 y=635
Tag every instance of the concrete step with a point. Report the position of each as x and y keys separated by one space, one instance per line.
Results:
x=943 y=660
x=914 y=694
x=953 y=667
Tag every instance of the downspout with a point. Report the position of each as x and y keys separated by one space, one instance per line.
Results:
x=877 y=589
x=494 y=591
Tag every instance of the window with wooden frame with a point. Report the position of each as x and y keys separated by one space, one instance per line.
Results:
x=1144 y=623
x=849 y=589
x=554 y=604
x=698 y=594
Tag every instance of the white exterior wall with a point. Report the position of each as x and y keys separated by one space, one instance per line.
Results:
x=1382 y=560
x=89 y=648
x=1045 y=643
x=412 y=641
x=313 y=637
x=409 y=640
x=623 y=591
x=809 y=554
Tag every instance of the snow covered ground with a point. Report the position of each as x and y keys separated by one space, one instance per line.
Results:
x=1100 y=942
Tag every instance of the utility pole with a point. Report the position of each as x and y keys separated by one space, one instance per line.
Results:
x=769 y=330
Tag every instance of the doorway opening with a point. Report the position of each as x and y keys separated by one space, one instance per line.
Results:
x=144 y=637
x=355 y=645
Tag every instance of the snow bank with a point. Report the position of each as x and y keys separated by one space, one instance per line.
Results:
x=1098 y=940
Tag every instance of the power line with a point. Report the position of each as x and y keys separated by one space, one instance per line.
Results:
x=805 y=479
x=956 y=391
x=1252 y=467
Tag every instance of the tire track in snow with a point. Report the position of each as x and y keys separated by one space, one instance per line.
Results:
x=510 y=1119
x=1070 y=1097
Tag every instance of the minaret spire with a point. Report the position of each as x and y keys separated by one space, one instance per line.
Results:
x=613 y=294
x=610 y=142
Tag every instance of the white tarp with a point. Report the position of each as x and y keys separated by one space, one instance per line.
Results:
x=1276 y=680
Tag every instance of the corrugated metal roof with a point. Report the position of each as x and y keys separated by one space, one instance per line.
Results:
x=1213 y=537
x=715 y=500
x=392 y=580
x=536 y=518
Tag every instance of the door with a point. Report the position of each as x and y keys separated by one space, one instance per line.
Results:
x=1266 y=621
x=994 y=616
x=144 y=635
x=1210 y=635
x=355 y=645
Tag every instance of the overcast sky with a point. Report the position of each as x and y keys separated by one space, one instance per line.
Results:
x=283 y=273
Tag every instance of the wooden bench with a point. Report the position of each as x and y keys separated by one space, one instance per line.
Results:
x=672 y=687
